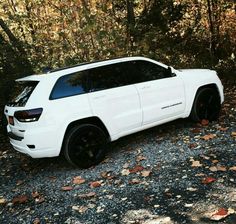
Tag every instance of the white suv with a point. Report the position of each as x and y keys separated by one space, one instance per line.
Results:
x=76 y=110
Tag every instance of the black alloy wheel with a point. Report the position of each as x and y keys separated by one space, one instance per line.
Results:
x=85 y=146
x=206 y=105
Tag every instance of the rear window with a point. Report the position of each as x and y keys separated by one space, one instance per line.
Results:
x=21 y=92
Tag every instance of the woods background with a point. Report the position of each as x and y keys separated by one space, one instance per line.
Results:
x=54 y=33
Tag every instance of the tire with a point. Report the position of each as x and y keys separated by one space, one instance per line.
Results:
x=206 y=105
x=85 y=145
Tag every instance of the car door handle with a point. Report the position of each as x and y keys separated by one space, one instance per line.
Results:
x=146 y=87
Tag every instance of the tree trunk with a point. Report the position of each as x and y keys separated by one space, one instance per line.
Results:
x=130 y=21
x=211 y=27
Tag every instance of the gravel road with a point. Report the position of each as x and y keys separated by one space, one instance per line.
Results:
x=179 y=172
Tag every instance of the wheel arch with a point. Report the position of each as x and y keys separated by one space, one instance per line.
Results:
x=210 y=85
x=90 y=120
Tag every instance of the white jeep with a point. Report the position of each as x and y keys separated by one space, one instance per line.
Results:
x=78 y=109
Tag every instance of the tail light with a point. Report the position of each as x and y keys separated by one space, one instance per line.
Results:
x=28 y=115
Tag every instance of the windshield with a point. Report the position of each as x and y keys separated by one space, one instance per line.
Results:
x=21 y=92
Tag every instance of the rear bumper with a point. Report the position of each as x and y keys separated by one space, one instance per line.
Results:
x=38 y=142
x=34 y=153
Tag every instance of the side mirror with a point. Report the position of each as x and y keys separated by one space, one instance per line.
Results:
x=170 y=72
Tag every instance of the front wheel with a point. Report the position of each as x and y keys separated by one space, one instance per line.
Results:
x=206 y=105
x=85 y=145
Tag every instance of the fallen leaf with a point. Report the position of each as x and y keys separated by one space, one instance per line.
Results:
x=21 y=199
x=223 y=129
x=78 y=180
x=35 y=194
x=204 y=122
x=136 y=169
x=99 y=209
x=221 y=168
x=217 y=168
x=88 y=195
x=36 y=221
x=67 y=188
x=125 y=172
x=134 y=181
x=196 y=130
x=200 y=175
x=233 y=134
x=2 y=201
x=208 y=137
x=39 y=199
x=233 y=168
x=215 y=161
x=192 y=145
x=205 y=157
x=213 y=169
x=208 y=180
x=107 y=175
x=221 y=214
x=145 y=173
x=196 y=163
x=19 y=182
x=80 y=209
x=95 y=184
x=140 y=158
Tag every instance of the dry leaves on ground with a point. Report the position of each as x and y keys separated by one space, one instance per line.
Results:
x=136 y=169
x=208 y=180
x=95 y=184
x=140 y=158
x=208 y=137
x=3 y=201
x=88 y=195
x=107 y=175
x=233 y=134
x=196 y=163
x=146 y=173
x=21 y=199
x=233 y=168
x=67 y=188
x=204 y=122
x=218 y=168
x=80 y=209
x=78 y=180
x=220 y=214
x=125 y=172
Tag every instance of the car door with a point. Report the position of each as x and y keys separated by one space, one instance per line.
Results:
x=115 y=102
x=161 y=93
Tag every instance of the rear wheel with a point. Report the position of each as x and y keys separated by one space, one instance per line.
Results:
x=85 y=145
x=206 y=105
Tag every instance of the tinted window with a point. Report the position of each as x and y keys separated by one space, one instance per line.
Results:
x=132 y=73
x=150 y=71
x=21 y=92
x=70 y=85
x=106 y=77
